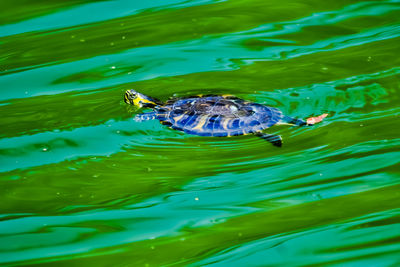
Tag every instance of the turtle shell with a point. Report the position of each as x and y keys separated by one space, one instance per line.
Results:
x=217 y=115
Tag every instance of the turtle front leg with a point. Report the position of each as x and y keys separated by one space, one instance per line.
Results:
x=274 y=139
x=146 y=116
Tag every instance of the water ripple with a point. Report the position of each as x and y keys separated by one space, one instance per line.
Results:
x=83 y=183
x=94 y=13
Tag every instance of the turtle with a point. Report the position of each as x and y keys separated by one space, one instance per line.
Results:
x=215 y=115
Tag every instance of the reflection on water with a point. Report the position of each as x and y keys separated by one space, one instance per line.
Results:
x=83 y=183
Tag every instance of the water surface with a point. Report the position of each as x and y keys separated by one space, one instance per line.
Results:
x=82 y=183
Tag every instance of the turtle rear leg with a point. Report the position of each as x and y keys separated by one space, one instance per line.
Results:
x=146 y=116
x=274 y=139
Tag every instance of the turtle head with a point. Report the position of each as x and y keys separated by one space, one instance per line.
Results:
x=140 y=100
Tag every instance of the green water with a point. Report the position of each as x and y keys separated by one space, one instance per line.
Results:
x=82 y=184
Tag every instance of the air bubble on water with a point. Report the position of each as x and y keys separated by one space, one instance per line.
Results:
x=26 y=92
x=316 y=196
x=369 y=58
x=182 y=239
x=112 y=43
x=45 y=149
x=82 y=40
x=118 y=132
x=129 y=73
x=113 y=67
x=152 y=247
x=72 y=36
x=123 y=37
x=196 y=198
x=361 y=125
x=320 y=174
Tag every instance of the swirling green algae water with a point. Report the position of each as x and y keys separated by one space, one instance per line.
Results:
x=81 y=183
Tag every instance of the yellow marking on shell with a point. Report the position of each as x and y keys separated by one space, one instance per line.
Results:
x=196 y=96
x=225 y=124
x=201 y=123
x=179 y=117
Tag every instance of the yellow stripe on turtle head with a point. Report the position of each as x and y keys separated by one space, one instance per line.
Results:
x=139 y=101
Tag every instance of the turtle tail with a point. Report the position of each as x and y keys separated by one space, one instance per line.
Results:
x=290 y=120
x=314 y=120
x=300 y=122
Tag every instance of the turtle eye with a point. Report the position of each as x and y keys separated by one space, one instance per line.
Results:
x=131 y=93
